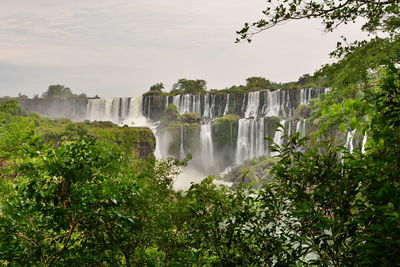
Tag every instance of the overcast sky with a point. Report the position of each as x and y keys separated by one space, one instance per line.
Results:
x=122 y=47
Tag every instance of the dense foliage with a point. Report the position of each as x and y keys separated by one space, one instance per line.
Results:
x=185 y=86
x=58 y=91
x=81 y=201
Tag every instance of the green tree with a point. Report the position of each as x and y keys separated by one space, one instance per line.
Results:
x=186 y=86
x=157 y=88
x=257 y=83
x=380 y=15
x=57 y=91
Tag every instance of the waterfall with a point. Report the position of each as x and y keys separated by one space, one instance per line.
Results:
x=273 y=104
x=251 y=139
x=301 y=128
x=307 y=94
x=207 y=148
x=104 y=109
x=134 y=115
x=253 y=103
x=176 y=100
x=364 y=142
x=166 y=103
x=226 y=110
x=242 y=147
x=209 y=106
x=349 y=140
x=187 y=103
x=278 y=137
x=197 y=104
x=253 y=108
x=119 y=110
x=181 y=150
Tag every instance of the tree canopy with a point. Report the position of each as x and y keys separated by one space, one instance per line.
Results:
x=376 y=15
x=57 y=91
x=157 y=88
x=189 y=86
x=257 y=83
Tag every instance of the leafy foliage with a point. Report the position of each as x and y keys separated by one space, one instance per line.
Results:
x=155 y=89
x=377 y=15
x=57 y=91
x=186 y=86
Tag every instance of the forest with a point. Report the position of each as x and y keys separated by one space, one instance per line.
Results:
x=92 y=193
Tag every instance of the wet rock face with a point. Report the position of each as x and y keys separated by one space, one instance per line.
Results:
x=153 y=107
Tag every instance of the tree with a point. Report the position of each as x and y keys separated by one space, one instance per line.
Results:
x=157 y=88
x=304 y=79
x=189 y=86
x=57 y=91
x=378 y=15
x=257 y=83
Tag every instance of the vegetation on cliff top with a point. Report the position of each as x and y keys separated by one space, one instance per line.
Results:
x=185 y=86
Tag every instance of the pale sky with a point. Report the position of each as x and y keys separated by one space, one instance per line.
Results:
x=122 y=47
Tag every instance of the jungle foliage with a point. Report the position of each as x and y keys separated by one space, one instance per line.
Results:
x=81 y=201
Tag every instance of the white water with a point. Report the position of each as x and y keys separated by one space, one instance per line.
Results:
x=251 y=141
x=253 y=103
x=119 y=110
x=207 y=147
x=106 y=109
x=349 y=140
x=274 y=104
x=181 y=150
x=226 y=110
x=364 y=142
x=278 y=137
x=209 y=106
x=301 y=128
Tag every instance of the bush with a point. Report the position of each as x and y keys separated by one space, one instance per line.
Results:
x=191 y=117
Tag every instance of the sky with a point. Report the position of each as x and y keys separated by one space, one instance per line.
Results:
x=122 y=47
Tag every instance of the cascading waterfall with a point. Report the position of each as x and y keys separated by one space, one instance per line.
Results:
x=209 y=106
x=251 y=139
x=119 y=110
x=181 y=149
x=106 y=109
x=187 y=103
x=307 y=94
x=134 y=115
x=207 y=148
x=247 y=140
x=253 y=104
x=226 y=110
x=273 y=105
x=349 y=140
x=278 y=137
x=301 y=128
x=364 y=142
x=242 y=147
